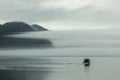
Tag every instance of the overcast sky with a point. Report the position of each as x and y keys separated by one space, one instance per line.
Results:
x=63 y=14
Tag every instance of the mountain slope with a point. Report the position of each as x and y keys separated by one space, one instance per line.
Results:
x=17 y=26
x=39 y=28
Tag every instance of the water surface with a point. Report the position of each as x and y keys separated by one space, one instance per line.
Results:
x=59 y=68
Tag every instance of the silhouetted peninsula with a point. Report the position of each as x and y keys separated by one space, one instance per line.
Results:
x=10 y=42
x=17 y=26
x=38 y=27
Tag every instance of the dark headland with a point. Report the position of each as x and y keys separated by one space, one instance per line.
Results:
x=18 y=27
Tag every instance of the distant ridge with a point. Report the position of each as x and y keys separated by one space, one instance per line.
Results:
x=38 y=27
x=18 y=26
x=14 y=42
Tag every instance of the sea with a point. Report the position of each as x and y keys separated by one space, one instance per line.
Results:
x=59 y=68
x=64 y=59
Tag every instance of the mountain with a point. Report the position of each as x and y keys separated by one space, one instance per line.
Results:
x=38 y=28
x=14 y=42
x=1 y=29
x=0 y=25
x=17 y=26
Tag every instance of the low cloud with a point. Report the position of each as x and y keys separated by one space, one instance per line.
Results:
x=91 y=14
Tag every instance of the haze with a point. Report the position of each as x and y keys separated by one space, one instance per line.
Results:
x=63 y=14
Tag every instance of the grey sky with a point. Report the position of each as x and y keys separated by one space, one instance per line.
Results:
x=63 y=14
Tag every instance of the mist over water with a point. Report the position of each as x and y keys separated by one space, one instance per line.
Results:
x=104 y=42
x=85 y=38
x=34 y=52
x=30 y=59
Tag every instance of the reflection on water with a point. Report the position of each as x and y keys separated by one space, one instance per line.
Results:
x=16 y=68
x=59 y=68
x=38 y=63
x=23 y=75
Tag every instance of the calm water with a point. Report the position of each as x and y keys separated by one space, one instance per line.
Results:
x=62 y=59
x=59 y=68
